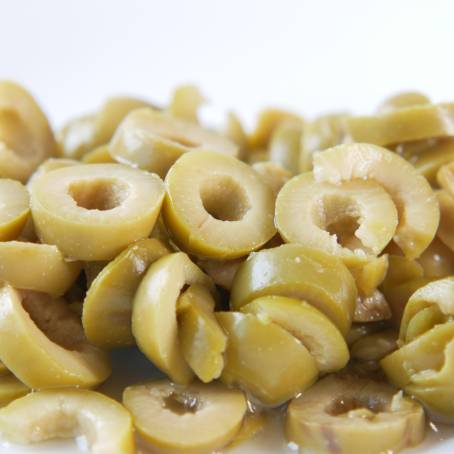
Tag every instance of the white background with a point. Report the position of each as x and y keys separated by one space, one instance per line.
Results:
x=311 y=56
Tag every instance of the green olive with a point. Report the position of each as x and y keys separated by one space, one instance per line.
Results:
x=298 y=272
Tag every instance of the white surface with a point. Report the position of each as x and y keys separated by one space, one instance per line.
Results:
x=312 y=56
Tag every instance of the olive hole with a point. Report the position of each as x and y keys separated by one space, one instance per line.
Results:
x=224 y=199
x=345 y=404
x=99 y=194
x=342 y=219
x=182 y=402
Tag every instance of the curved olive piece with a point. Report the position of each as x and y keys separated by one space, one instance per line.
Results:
x=438 y=295
x=194 y=419
x=402 y=100
x=200 y=336
x=44 y=344
x=83 y=134
x=446 y=227
x=11 y=388
x=216 y=206
x=351 y=219
x=49 y=165
x=435 y=155
x=99 y=155
x=26 y=138
x=355 y=416
x=369 y=274
x=285 y=144
x=93 y=211
x=298 y=272
x=14 y=208
x=272 y=174
x=315 y=331
x=107 y=307
x=44 y=415
x=234 y=131
x=265 y=359
x=375 y=346
x=267 y=122
x=418 y=122
x=437 y=260
x=324 y=132
x=415 y=201
x=185 y=103
x=154 y=315
x=154 y=140
x=39 y=267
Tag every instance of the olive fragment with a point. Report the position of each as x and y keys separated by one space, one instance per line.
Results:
x=44 y=344
x=201 y=338
x=298 y=272
x=93 y=211
x=44 y=415
x=185 y=420
x=353 y=415
x=107 y=307
x=255 y=344
x=40 y=267
x=154 y=140
x=154 y=315
x=217 y=206
x=26 y=138
x=415 y=201
x=14 y=209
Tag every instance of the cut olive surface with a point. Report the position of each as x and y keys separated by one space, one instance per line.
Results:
x=264 y=359
x=14 y=208
x=107 y=307
x=201 y=338
x=39 y=267
x=196 y=419
x=217 y=206
x=272 y=174
x=25 y=135
x=93 y=211
x=415 y=201
x=154 y=140
x=369 y=274
x=315 y=331
x=43 y=343
x=85 y=133
x=69 y=413
x=354 y=416
x=154 y=316
x=298 y=272
x=354 y=218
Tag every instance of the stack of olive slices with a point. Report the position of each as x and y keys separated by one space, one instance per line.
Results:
x=305 y=269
